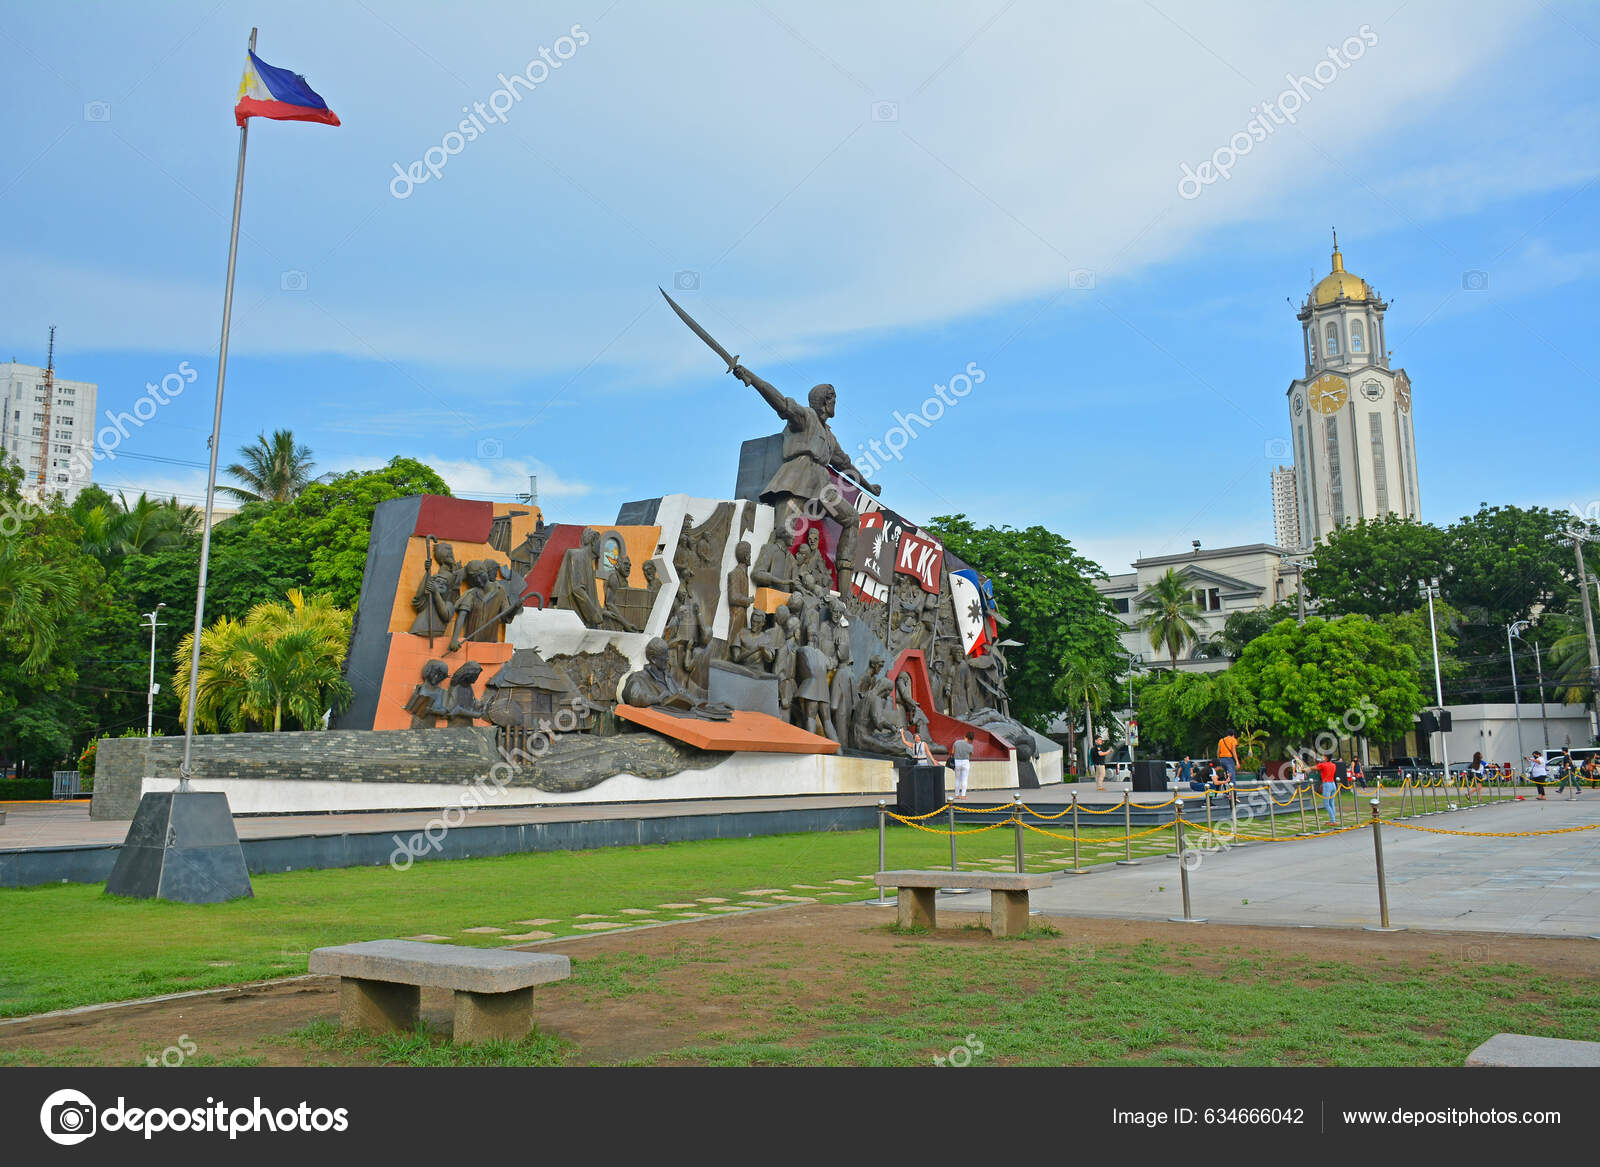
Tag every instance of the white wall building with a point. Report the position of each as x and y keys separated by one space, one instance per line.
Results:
x=1222 y=581
x=55 y=452
x=1355 y=453
x=1492 y=729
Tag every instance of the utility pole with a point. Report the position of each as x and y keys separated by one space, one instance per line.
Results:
x=150 y=696
x=1431 y=589
x=1580 y=533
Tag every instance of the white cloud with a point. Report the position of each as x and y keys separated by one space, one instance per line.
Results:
x=740 y=144
x=494 y=476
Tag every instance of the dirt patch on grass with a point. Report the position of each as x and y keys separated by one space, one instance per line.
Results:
x=782 y=979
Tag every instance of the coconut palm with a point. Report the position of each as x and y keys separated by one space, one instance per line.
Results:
x=1570 y=655
x=281 y=659
x=273 y=470
x=1080 y=683
x=137 y=528
x=1168 y=614
x=29 y=603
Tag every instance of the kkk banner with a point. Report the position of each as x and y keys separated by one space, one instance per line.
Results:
x=971 y=619
x=877 y=558
x=921 y=558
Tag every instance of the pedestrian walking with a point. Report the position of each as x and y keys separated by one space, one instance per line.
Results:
x=1097 y=759
x=1329 y=773
x=1358 y=776
x=1568 y=771
x=1476 y=769
x=1538 y=773
x=961 y=753
x=1228 y=754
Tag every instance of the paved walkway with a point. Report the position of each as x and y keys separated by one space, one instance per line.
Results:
x=1545 y=885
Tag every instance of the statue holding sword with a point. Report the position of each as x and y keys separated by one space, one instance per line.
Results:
x=802 y=483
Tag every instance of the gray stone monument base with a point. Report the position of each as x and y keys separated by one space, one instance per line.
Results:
x=1517 y=1049
x=735 y=689
x=182 y=846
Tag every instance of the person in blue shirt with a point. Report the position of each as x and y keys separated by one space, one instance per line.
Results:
x=1186 y=775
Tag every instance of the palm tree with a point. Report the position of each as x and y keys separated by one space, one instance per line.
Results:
x=29 y=606
x=280 y=659
x=273 y=470
x=1081 y=683
x=1169 y=614
x=1570 y=655
x=137 y=528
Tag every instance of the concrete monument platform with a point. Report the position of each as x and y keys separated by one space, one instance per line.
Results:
x=745 y=732
x=1519 y=1049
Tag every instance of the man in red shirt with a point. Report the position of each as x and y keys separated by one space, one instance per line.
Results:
x=1330 y=784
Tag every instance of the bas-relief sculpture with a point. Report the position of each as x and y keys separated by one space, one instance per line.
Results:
x=435 y=599
x=810 y=568
x=429 y=700
x=740 y=598
x=464 y=707
x=527 y=690
x=775 y=565
x=525 y=554
x=485 y=607
x=811 y=680
x=875 y=721
x=655 y=687
x=752 y=651
x=574 y=588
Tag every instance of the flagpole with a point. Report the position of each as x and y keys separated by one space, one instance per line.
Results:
x=216 y=439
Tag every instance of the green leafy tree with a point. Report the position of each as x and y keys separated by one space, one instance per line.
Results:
x=274 y=469
x=1375 y=567
x=1046 y=590
x=1411 y=629
x=281 y=660
x=1187 y=713
x=329 y=526
x=1336 y=676
x=1504 y=563
x=1240 y=628
x=1168 y=615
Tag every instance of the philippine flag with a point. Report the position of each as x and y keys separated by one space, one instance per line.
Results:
x=974 y=628
x=266 y=92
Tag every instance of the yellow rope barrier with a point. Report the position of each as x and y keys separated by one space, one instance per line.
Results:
x=929 y=815
x=946 y=832
x=1491 y=834
x=1054 y=835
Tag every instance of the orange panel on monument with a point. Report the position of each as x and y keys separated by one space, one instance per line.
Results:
x=746 y=733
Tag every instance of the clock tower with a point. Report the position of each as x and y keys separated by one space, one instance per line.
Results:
x=1349 y=415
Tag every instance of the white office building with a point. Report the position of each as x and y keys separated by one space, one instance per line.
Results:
x=1355 y=456
x=50 y=435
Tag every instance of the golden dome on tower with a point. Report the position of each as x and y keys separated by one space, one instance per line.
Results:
x=1339 y=283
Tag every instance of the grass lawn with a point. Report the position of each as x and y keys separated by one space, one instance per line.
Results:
x=872 y=997
x=68 y=945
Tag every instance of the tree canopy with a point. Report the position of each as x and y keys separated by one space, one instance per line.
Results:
x=1046 y=590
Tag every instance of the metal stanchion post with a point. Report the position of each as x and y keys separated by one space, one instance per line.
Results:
x=1076 y=868
x=1127 y=859
x=1300 y=792
x=1233 y=815
x=883 y=817
x=953 y=891
x=1183 y=877
x=1016 y=821
x=1383 y=891
x=1272 y=815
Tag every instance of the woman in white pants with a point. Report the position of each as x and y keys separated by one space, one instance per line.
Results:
x=961 y=753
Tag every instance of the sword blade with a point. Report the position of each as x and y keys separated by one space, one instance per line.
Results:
x=697 y=330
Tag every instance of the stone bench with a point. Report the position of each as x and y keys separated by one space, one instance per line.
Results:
x=1008 y=895
x=1517 y=1049
x=381 y=983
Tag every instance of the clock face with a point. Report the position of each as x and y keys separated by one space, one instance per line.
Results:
x=1402 y=392
x=1329 y=393
x=1372 y=391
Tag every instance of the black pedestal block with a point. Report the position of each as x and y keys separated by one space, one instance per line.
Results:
x=183 y=847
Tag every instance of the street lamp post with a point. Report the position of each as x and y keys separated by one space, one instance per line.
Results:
x=1431 y=589
x=1581 y=533
x=150 y=694
x=1516 y=628
x=1538 y=663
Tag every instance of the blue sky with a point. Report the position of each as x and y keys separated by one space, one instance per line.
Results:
x=873 y=197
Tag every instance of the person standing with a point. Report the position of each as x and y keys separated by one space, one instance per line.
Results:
x=961 y=753
x=1569 y=774
x=1186 y=775
x=1358 y=776
x=1476 y=770
x=1538 y=773
x=1097 y=762
x=1329 y=773
x=1228 y=754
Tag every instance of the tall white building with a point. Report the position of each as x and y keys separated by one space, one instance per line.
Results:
x=1355 y=456
x=52 y=440
x=1285 y=508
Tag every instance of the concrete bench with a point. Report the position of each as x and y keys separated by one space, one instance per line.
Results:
x=381 y=983
x=1008 y=895
x=1517 y=1049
